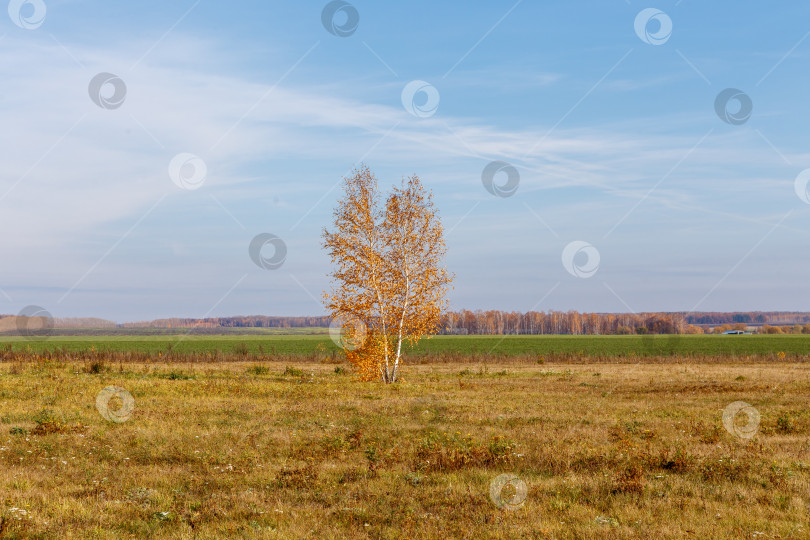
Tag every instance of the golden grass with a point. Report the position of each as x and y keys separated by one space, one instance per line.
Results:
x=240 y=450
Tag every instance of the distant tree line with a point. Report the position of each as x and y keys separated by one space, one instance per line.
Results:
x=497 y=322
x=559 y=322
x=249 y=321
x=752 y=318
x=573 y=322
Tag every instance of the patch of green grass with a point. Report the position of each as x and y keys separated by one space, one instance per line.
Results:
x=437 y=348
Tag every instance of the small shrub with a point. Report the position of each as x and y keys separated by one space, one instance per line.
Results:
x=16 y=430
x=97 y=366
x=49 y=422
x=784 y=424
x=340 y=370
x=257 y=370
x=241 y=349
x=292 y=372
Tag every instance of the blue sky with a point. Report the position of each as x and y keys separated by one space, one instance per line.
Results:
x=621 y=154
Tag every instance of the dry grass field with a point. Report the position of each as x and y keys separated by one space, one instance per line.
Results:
x=266 y=450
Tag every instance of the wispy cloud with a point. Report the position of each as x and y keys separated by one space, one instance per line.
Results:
x=82 y=175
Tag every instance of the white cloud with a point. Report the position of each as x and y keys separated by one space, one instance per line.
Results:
x=77 y=177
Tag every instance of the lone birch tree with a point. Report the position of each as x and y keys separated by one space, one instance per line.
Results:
x=389 y=284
